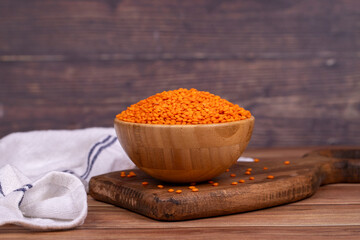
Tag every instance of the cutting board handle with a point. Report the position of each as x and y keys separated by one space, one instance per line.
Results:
x=337 y=166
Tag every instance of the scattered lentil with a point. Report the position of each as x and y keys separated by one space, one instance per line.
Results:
x=160 y=186
x=195 y=189
x=131 y=174
x=171 y=190
x=248 y=173
x=234 y=183
x=287 y=162
x=192 y=187
x=227 y=170
x=122 y=174
x=265 y=168
x=215 y=184
x=251 y=178
x=145 y=183
x=178 y=191
x=211 y=182
x=183 y=106
x=256 y=160
x=270 y=177
x=241 y=181
x=233 y=175
x=249 y=169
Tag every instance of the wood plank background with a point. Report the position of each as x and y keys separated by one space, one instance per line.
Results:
x=294 y=64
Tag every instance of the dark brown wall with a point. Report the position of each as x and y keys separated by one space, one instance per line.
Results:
x=294 y=64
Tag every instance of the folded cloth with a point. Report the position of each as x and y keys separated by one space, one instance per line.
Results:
x=46 y=194
x=55 y=201
x=48 y=191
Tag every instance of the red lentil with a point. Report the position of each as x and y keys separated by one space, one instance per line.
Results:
x=211 y=182
x=178 y=191
x=183 y=106
x=241 y=181
x=256 y=160
x=234 y=183
x=145 y=183
x=233 y=175
x=131 y=174
x=249 y=169
x=270 y=177
x=248 y=173
x=251 y=178
x=265 y=168
x=160 y=186
x=287 y=162
x=215 y=184
x=171 y=190
x=195 y=189
x=192 y=187
x=227 y=170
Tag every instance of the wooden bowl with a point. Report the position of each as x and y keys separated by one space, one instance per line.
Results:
x=184 y=153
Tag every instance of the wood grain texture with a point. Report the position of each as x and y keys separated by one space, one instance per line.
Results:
x=184 y=153
x=333 y=212
x=295 y=65
x=299 y=180
x=128 y=30
x=295 y=102
x=246 y=233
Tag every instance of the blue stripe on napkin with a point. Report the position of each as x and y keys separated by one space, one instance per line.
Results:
x=23 y=189
x=103 y=144
x=1 y=191
x=113 y=140
x=90 y=153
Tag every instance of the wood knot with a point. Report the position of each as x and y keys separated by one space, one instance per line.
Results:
x=330 y=62
x=113 y=4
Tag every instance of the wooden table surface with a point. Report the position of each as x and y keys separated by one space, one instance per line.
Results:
x=332 y=213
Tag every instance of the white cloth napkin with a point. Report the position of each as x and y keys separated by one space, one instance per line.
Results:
x=44 y=174
x=55 y=201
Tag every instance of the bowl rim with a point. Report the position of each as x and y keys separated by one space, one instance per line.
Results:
x=244 y=121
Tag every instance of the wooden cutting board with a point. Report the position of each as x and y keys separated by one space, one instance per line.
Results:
x=298 y=180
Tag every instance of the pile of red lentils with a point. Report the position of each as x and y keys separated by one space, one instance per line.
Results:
x=183 y=106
